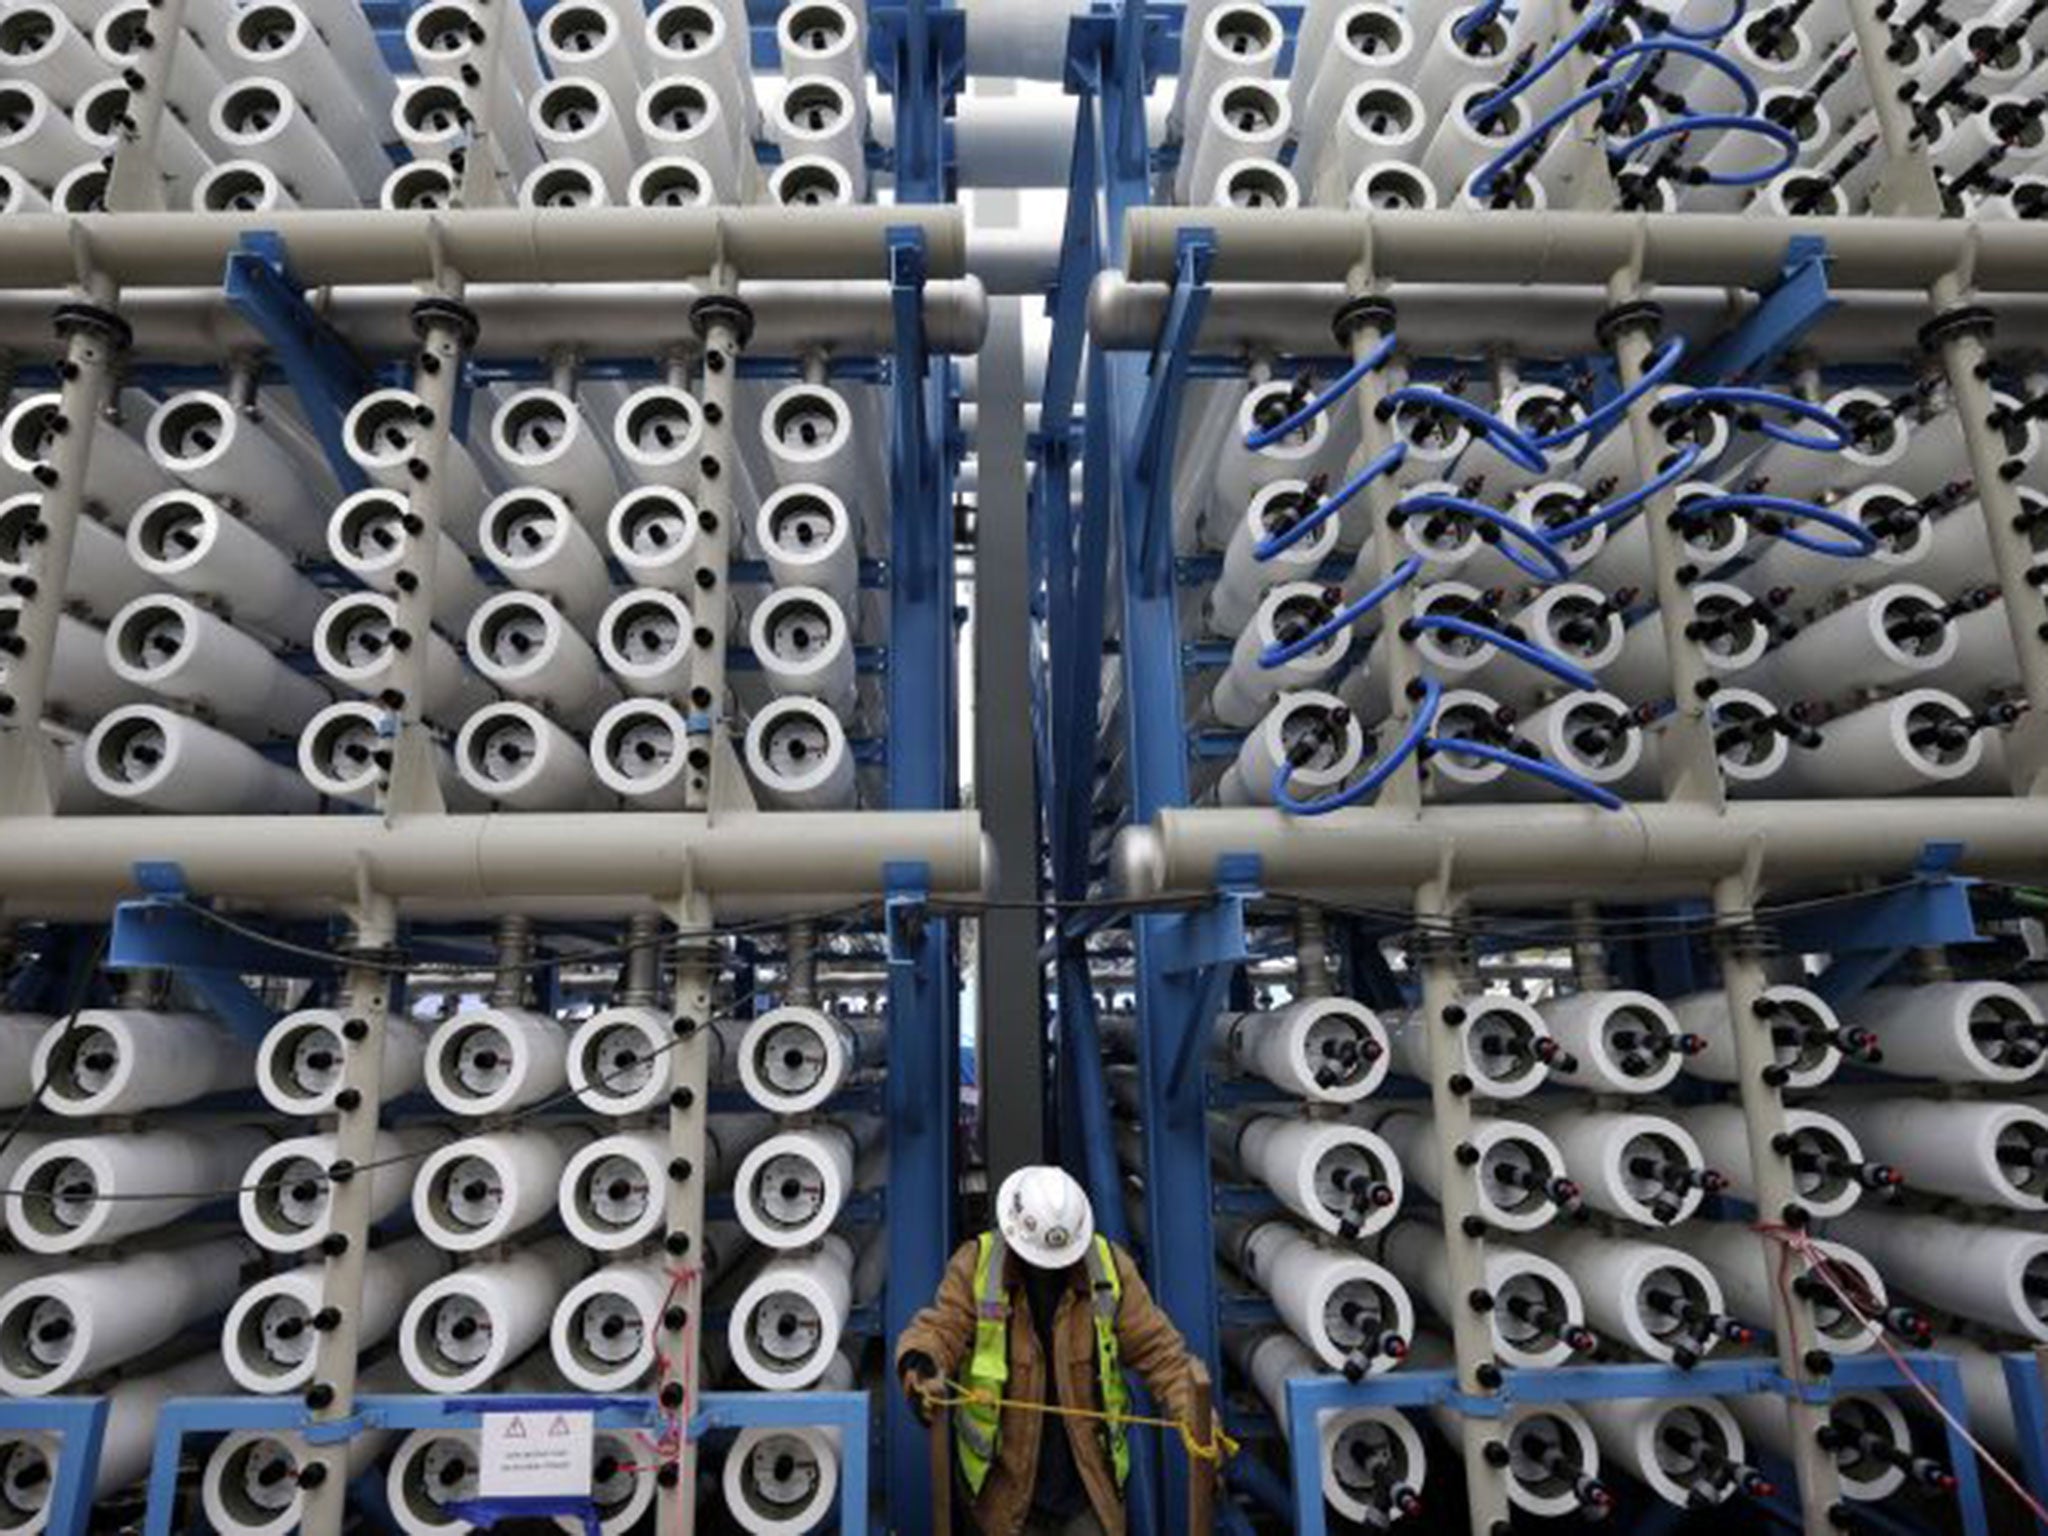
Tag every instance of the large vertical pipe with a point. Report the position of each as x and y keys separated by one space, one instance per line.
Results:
x=721 y=325
x=366 y=1015
x=93 y=340
x=136 y=183
x=1463 y=1224
x=682 y=1321
x=1964 y=358
x=1763 y=1113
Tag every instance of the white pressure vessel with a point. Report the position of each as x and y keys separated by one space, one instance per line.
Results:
x=1518 y=1173
x=1537 y=1318
x=1829 y=1170
x=1992 y=1273
x=1861 y=1423
x=268 y=1337
x=652 y=533
x=638 y=751
x=658 y=435
x=177 y=650
x=123 y=1061
x=78 y=1192
x=487 y=1060
x=371 y=536
x=473 y=1194
x=787 y=1322
x=1806 y=1036
x=1621 y=1041
x=188 y=542
x=517 y=758
x=1503 y=1047
x=1637 y=1167
x=356 y=642
x=546 y=442
x=1688 y=1451
x=1657 y=1300
x=68 y=1326
x=1954 y=1031
x=103 y=577
x=1313 y=731
x=617 y=1059
x=784 y=1480
x=1373 y=1461
x=1987 y=1153
x=523 y=644
x=204 y=440
x=1353 y=1314
x=286 y=1198
x=790 y=1060
x=790 y=1188
x=1746 y=1263
x=466 y=1327
x=798 y=757
x=804 y=644
x=1327 y=1050
x=809 y=539
x=384 y=432
x=535 y=540
x=1339 y=1177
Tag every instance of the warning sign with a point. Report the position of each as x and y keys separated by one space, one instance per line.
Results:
x=536 y=1455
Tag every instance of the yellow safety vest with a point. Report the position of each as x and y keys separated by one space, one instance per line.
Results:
x=977 y=1425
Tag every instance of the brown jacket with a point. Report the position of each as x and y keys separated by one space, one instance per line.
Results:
x=1149 y=1344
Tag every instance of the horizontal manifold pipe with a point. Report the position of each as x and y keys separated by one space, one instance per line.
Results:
x=746 y=862
x=1529 y=851
x=494 y=245
x=518 y=320
x=1324 y=245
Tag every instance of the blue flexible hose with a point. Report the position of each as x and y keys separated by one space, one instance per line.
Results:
x=1279 y=655
x=1838 y=436
x=1507 y=439
x=1341 y=386
x=1287 y=538
x=1663 y=363
x=1522 y=650
x=1628 y=501
x=1550 y=773
x=1555 y=567
x=1418 y=729
x=1861 y=540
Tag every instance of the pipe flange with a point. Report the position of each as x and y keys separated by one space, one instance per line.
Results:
x=723 y=309
x=1367 y=309
x=1964 y=320
x=1747 y=939
x=1647 y=313
x=91 y=319
x=429 y=313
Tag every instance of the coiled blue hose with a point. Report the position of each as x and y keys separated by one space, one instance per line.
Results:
x=1860 y=541
x=1361 y=788
x=1276 y=543
x=1280 y=653
x=1663 y=363
x=1550 y=773
x=1337 y=389
x=1836 y=438
x=1514 y=533
x=1521 y=650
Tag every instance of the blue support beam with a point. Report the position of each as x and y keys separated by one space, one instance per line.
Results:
x=2028 y=1394
x=923 y=1039
x=1869 y=934
x=79 y=1424
x=847 y=1412
x=323 y=369
x=1310 y=1396
x=919 y=53
x=1792 y=307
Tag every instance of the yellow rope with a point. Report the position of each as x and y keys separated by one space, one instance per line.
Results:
x=952 y=1394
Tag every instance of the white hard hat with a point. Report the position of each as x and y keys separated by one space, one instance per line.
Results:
x=1045 y=1217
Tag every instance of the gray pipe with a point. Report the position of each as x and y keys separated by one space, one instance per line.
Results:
x=745 y=862
x=523 y=320
x=1553 y=852
x=1323 y=246
x=492 y=245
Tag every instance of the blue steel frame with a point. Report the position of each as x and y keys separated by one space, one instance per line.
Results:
x=845 y=1411
x=79 y=1423
x=2026 y=1390
x=1309 y=1396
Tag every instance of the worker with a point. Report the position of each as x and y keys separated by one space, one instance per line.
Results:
x=1044 y=1286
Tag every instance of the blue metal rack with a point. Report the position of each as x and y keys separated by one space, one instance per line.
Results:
x=918 y=50
x=78 y=1423
x=846 y=1412
x=1307 y=1397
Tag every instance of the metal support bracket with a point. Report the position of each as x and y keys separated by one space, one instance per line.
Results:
x=919 y=54
x=1869 y=935
x=906 y=911
x=80 y=1424
x=323 y=370
x=162 y=932
x=1159 y=415
x=1798 y=302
